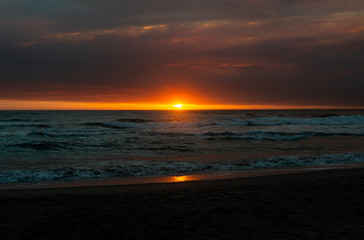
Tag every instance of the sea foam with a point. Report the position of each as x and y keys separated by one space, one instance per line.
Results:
x=155 y=168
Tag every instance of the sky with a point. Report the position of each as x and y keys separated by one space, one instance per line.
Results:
x=151 y=54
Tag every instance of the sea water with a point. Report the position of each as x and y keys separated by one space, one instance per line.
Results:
x=41 y=146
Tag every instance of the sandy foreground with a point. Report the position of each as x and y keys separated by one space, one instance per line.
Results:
x=322 y=204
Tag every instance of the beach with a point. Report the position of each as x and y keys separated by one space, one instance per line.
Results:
x=142 y=120
x=321 y=204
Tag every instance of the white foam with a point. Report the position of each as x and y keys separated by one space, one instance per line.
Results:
x=151 y=168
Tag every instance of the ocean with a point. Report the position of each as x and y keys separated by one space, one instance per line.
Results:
x=61 y=146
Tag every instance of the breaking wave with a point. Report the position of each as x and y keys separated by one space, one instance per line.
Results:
x=151 y=168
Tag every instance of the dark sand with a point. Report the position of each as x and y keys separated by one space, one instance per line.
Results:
x=313 y=205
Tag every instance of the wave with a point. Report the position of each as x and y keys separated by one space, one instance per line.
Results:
x=167 y=148
x=45 y=145
x=150 y=168
x=105 y=125
x=226 y=122
x=28 y=125
x=272 y=136
x=21 y=120
x=40 y=134
x=138 y=123
x=271 y=121
x=169 y=134
x=61 y=133
x=135 y=120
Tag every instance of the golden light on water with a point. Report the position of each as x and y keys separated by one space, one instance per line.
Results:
x=182 y=178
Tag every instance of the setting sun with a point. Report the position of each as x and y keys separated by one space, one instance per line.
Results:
x=179 y=106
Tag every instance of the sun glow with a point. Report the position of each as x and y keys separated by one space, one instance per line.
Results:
x=179 y=106
x=63 y=105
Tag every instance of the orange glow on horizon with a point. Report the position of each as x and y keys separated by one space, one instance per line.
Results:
x=179 y=106
x=63 y=105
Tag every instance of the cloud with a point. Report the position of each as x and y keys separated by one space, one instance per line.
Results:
x=258 y=52
x=123 y=32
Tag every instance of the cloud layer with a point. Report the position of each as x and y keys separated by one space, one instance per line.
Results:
x=212 y=51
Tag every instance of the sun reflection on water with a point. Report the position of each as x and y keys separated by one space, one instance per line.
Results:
x=182 y=178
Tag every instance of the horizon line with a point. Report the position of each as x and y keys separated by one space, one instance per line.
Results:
x=21 y=105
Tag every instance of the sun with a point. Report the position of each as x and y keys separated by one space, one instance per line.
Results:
x=179 y=106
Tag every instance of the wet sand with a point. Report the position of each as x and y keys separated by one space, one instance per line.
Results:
x=322 y=204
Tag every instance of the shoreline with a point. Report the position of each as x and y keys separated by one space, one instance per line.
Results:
x=321 y=204
x=192 y=177
x=256 y=176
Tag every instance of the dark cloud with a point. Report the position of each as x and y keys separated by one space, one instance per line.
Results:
x=234 y=52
